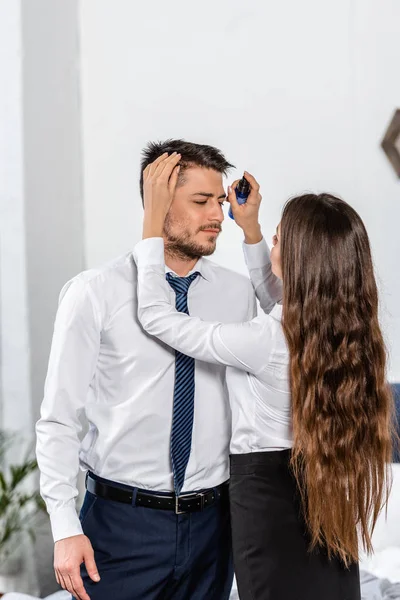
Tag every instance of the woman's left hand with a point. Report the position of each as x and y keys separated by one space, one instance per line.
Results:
x=159 y=183
x=246 y=215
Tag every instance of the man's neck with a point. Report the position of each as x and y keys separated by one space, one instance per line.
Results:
x=180 y=266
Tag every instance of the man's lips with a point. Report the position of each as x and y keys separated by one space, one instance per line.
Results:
x=216 y=231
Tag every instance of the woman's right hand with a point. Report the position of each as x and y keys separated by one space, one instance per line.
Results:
x=246 y=215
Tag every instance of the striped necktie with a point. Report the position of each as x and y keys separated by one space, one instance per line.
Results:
x=183 y=410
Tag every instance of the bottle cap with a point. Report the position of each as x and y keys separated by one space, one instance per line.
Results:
x=243 y=187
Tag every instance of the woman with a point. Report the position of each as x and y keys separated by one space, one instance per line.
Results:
x=311 y=410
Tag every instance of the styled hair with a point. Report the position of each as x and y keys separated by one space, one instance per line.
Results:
x=342 y=406
x=199 y=155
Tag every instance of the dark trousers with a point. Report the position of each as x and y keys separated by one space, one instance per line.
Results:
x=270 y=542
x=150 y=554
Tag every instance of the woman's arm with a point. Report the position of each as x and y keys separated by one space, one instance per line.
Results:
x=245 y=346
x=267 y=286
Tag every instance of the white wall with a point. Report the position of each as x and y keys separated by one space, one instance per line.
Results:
x=15 y=389
x=41 y=214
x=14 y=338
x=53 y=192
x=376 y=56
x=52 y=168
x=297 y=92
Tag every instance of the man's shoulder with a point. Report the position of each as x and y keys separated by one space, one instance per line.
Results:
x=121 y=268
x=225 y=275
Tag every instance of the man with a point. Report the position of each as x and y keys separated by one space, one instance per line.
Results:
x=155 y=519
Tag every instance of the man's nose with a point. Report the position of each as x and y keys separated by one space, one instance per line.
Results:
x=215 y=213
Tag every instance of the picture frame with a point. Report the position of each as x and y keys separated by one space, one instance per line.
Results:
x=391 y=142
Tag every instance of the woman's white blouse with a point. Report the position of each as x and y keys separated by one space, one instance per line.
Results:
x=254 y=352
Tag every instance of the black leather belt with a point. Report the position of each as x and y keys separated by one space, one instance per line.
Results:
x=186 y=503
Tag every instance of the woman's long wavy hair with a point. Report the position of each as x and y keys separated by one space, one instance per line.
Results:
x=343 y=410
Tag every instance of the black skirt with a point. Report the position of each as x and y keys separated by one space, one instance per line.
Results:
x=270 y=542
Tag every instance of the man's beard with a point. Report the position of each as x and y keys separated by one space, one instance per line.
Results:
x=181 y=246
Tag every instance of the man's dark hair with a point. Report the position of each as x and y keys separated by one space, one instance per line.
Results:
x=199 y=155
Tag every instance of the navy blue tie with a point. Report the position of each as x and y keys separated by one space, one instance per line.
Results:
x=183 y=411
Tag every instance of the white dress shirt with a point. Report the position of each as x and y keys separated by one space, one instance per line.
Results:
x=255 y=352
x=105 y=368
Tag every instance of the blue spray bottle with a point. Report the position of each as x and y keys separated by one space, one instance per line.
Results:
x=242 y=193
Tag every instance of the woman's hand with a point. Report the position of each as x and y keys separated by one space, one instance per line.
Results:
x=246 y=215
x=159 y=183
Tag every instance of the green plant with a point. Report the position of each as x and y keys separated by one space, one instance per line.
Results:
x=19 y=505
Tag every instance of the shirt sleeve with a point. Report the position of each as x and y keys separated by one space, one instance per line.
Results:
x=72 y=363
x=252 y=304
x=246 y=346
x=267 y=286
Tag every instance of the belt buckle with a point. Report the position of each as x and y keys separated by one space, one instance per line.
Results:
x=177 y=511
x=194 y=494
x=202 y=496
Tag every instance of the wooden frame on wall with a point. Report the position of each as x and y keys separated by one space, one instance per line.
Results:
x=391 y=142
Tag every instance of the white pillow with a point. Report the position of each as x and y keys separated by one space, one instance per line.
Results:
x=387 y=529
x=61 y=595
x=384 y=564
x=18 y=596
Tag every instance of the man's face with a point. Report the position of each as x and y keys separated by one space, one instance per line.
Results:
x=194 y=220
x=276 y=253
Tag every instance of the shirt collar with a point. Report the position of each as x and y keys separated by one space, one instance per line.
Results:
x=201 y=266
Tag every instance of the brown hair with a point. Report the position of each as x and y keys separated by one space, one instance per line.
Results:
x=198 y=155
x=343 y=410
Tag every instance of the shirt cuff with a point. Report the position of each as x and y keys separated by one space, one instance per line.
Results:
x=65 y=523
x=257 y=255
x=149 y=252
